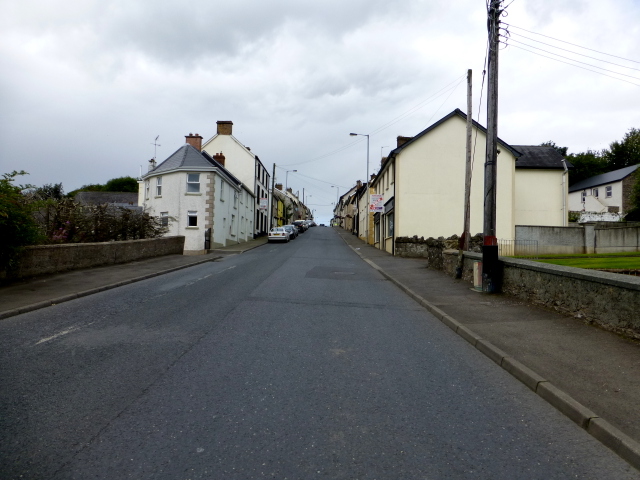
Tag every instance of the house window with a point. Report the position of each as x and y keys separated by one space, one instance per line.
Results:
x=193 y=183
x=221 y=190
x=164 y=219
x=146 y=189
x=232 y=226
x=608 y=191
x=235 y=199
x=377 y=232
x=594 y=192
x=192 y=218
x=584 y=197
x=390 y=225
x=158 y=186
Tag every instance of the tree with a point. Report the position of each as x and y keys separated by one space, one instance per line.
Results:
x=585 y=165
x=122 y=184
x=119 y=184
x=626 y=152
x=49 y=192
x=17 y=225
x=561 y=150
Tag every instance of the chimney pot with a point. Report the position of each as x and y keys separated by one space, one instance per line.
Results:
x=279 y=186
x=225 y=127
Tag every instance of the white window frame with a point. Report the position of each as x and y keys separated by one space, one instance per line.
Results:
x=222 y=189
x=584 y=196
x=159 y=186
x=594 y=192
x=146 y=189
x=191 y=214
x=608 y=191
x=164 y=219
x=193 y=186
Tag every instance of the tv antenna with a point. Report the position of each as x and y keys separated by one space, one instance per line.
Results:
x=155 y=146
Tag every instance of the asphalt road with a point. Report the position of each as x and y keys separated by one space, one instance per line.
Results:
x=290 y=361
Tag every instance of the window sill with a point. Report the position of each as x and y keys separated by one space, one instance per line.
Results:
x=193 y=193
x=158 y=196
x=192 y=228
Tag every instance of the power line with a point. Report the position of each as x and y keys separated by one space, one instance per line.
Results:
x=574 y=44
x=568 y=58
x=386 y=125
x=571 y=51
x=577 y=66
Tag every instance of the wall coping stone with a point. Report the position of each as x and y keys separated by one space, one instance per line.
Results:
x=605 y=278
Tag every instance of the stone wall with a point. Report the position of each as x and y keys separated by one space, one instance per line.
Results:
x=605 y=237
x=609 y=300
x=432 y=248
x=47 y=259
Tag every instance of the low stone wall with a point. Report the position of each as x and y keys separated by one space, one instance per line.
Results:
x=606 y=299
x=432 y=248
x=46 y=259
x=582 y=238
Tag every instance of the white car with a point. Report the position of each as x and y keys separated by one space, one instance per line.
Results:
x=278 y=234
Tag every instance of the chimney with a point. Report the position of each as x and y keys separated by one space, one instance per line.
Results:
x=383 y=161
x=224 y=127
x=219 y=157
x=359 y=184
x=373 y=177
x=279 y=186
x=152 y=164
x=194 y=140
x=290 y=190
x=402 y=140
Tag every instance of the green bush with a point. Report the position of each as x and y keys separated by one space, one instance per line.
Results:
x=17 y=224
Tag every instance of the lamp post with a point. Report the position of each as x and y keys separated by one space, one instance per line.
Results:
x=366 y=228
x=286 y=181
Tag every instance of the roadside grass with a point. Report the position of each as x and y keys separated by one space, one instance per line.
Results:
x=623 y=260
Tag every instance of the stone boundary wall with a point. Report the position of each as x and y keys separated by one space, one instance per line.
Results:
x=609 y=300
x=432 y=248
x=582 y=238
x=47 y=259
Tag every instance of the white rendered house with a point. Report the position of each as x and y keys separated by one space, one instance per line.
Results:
x=247 y=167
x=609 y=193
x=199 y=198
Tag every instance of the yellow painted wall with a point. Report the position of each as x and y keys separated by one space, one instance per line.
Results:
x=539 y=196
x=430 y=185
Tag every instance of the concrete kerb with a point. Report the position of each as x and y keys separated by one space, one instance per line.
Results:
x=623 y=445
x=84 y=293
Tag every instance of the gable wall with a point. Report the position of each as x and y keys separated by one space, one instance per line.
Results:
x=539 y=195
x=238 y=161
x=430 y=185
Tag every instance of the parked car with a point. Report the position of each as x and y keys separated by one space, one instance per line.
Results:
x=300 y=225
x=293 y=231
x=278 y=234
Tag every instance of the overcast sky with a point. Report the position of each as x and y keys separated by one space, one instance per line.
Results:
x=87 y=85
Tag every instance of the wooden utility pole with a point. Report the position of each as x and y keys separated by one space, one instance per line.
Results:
x=464 y=239
x=273 y=188
x=490 y=263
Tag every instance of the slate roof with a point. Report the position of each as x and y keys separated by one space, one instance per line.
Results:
x=185 y=157
x=539 y=156
x=100 y=198
x=609 y=177
x=188 y=157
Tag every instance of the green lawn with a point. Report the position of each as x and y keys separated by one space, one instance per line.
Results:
x=625 y=260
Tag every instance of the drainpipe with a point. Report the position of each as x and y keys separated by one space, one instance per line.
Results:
x=565 y=218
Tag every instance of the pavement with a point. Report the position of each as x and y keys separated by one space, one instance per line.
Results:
x=590 y=375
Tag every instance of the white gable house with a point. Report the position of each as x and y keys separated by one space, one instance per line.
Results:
x=199 y=198
x=247 y=167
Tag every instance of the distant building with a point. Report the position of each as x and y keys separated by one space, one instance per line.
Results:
x=609 y=193
x=117 y=199
x=199 y=198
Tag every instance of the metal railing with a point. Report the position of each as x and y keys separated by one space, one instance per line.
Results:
x=518 y=248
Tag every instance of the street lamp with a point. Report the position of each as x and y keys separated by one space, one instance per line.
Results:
x=286 y=181
x=337 y=192
x=366 y=228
